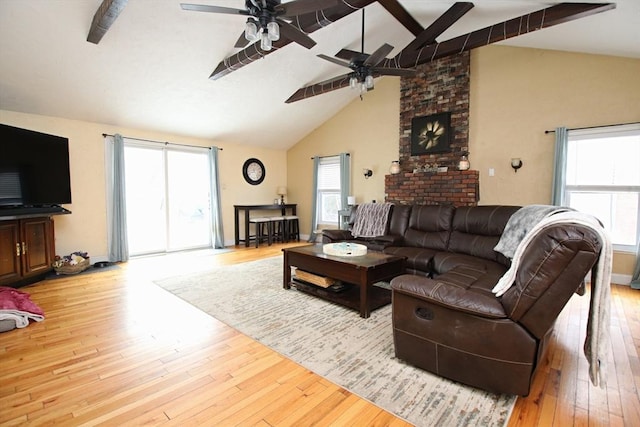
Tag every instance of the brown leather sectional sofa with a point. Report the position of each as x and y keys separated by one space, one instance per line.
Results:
x=447 y=321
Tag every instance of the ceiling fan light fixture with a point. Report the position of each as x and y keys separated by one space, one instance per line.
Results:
x=273 y=31
x=353 y=82
x=265 y=41
x=368 y=81
x=251 y=31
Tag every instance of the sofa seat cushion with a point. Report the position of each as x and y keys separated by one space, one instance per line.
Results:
x=472 y=298
x=419 y=259
x=444 y=262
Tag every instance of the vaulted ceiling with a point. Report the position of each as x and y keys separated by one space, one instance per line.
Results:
x=151 y=67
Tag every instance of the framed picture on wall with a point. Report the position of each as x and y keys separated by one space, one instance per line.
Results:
x=430 y=134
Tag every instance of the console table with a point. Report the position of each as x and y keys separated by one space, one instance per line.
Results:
x=247 y=210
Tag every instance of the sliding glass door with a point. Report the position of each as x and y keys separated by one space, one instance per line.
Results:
x=167 y=199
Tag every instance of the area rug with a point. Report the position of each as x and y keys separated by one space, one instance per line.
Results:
x=336 y=343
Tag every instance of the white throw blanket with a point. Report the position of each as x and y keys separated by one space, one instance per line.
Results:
x=519 y=224
x=596 y=345
x=371 y=219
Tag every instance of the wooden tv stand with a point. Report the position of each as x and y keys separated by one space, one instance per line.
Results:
x=27 y=246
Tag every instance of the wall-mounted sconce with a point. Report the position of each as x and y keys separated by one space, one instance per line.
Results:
x=394 y=168
x=516 y=164
x=463 y=164
x=368 y=173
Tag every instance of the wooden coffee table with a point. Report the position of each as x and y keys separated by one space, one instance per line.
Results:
x=362 y=271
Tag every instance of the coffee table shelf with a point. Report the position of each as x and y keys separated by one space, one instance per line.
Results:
x=350 y=298
x=362 y=271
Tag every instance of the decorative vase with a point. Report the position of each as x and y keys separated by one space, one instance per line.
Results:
x=464 y=164
x=394 y=168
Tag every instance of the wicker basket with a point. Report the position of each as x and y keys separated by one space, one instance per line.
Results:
x=322 y=281
x=73 y=269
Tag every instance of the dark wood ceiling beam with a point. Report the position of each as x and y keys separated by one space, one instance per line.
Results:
x=544 y=18
x=105 y=16
x=401 y=14
x=440 y=25
x=308 y=23
x=319 y=88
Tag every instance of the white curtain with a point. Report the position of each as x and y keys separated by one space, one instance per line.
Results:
x=559 y=167
x=314 y=201
x=635 y=279
x=217 y=233
x=116 y=200
x=345 y=179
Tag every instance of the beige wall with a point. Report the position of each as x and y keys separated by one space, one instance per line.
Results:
x=366 y=129
x=86 y=229
x=516 y=94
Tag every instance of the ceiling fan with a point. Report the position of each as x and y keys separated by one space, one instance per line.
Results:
x=364 y=68
x=268 y=18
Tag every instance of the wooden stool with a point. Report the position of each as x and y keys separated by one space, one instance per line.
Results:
x=278 y=226
x=292 y=226
x=260 y=223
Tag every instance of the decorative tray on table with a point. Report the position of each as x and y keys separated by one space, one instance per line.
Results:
x=344 y=249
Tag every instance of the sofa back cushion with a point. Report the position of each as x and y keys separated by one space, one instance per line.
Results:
x=476 y=230
x=429 y=226
x=399 y=219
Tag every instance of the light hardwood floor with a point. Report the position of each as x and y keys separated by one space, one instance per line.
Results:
x=116 y=349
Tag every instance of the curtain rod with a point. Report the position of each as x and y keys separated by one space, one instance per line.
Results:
x=322 y=157
x=162 y=142
x=594 y=127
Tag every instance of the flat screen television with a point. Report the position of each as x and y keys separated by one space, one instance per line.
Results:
x=34 y=168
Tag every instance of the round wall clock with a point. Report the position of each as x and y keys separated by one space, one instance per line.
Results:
x=253 y=171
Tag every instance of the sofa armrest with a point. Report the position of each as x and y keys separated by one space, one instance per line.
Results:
x=331 y=236
x=379 y=243
x=452 y=296
x=390 y=240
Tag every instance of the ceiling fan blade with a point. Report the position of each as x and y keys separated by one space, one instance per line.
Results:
x=309 y=23
x=334 y=60
x=104 y=17
x=300 y=7
x=384 y=71
x=213 y=9
x=440 y=25
x=352 y=55
x=401 y=14
x=319 y=88
x=376 y=57
x=294 y=34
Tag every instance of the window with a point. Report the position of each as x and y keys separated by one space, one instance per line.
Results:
x=328 y=196
x=603 y=179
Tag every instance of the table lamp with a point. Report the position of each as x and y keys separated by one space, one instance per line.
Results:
x=281 y=191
